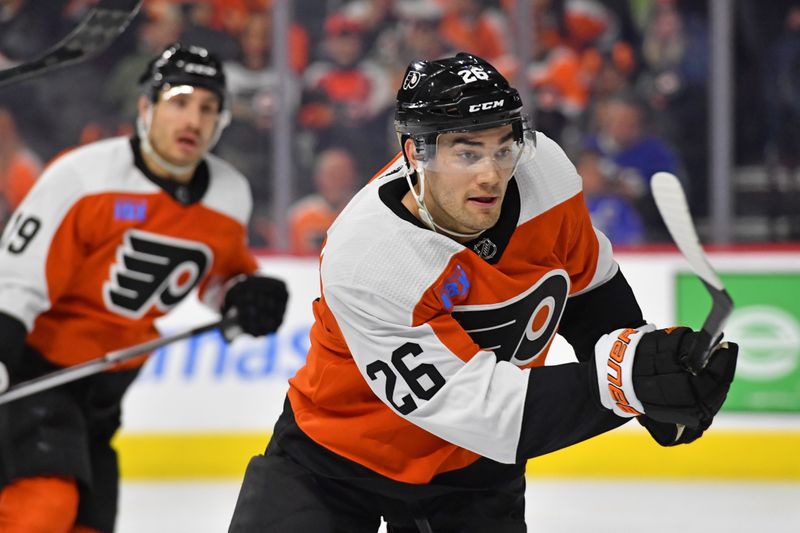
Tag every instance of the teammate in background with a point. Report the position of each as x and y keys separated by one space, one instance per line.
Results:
x=112 y=236
x=443 y=283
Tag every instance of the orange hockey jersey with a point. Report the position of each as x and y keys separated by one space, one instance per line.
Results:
x=422 y=350
x=99 y=249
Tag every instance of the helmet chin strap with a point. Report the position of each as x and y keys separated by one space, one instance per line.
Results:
x=424 y=214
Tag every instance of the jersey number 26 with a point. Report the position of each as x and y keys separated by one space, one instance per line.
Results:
x=417 y=378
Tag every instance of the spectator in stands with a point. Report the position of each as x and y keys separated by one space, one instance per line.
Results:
x=336 y=179
x=471 y=26
x=560 y=88
x=782 y=92
x=200 y=30
x=611 y=212
x=415 y=35
x=623 y=139
x=347 y=99
x=253 y=85
x=419 y=35
x=376 y=17
x=19 y=167
x=611 y=71
x=298 y=38
x=674 y=81
x=157 y=29
x=782 y=100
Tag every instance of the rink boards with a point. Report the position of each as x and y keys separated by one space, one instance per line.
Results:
x=201 y=408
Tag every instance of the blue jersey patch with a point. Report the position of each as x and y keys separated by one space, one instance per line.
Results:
x=456 y=287
x=130 y=210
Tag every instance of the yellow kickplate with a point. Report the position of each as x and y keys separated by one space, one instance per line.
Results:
x=720 y=454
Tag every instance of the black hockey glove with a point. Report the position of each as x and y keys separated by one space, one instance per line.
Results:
x=641 y=372
x=259 y=303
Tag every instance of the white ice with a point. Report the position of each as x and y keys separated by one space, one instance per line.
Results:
x=553 y=506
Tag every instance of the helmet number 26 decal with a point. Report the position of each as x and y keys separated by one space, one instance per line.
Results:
x=472 y=74
x=423 y=380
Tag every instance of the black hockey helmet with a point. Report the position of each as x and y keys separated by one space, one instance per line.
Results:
x=180 y=64
x=458 y=93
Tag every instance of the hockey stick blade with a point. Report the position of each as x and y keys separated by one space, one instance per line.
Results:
x=111 y=359
x=97 y=30
x=671 y=202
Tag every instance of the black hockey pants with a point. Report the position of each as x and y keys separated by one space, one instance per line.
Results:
x=280 y=495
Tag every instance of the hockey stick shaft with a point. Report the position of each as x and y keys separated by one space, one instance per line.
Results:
x=96 y=31
x=671 y=202
x=95 y=366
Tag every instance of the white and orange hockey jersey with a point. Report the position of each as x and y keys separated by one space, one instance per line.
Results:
x=426 y=354
x=100 y=248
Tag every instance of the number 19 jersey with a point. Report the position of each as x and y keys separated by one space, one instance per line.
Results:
x=99 y=248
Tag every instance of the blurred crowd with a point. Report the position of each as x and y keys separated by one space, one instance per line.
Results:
x=621 y=84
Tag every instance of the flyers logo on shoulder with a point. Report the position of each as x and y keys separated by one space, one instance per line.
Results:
x=153 y=271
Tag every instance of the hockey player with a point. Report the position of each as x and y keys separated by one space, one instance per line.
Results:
x=112 y=236
x=443 y=283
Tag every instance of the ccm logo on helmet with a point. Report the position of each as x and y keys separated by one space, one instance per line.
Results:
x=615 y=359
x=485 y=106
x=203 y=70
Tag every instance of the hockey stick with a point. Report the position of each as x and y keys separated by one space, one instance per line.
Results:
x=98 y=28
x=95 y=366
x=671 y=202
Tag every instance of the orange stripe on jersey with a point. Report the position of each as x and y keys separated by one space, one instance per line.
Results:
x=387 y=166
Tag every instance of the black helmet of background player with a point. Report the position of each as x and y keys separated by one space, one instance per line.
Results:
x=182 y=65
x=461 y=93
x=452 y=95
x=179 y=64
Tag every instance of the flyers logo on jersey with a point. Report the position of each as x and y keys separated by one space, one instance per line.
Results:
x=153 y=270
x=519 y=329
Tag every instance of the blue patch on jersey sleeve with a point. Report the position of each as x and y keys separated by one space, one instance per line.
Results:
x=456 y=286
x=130 y=210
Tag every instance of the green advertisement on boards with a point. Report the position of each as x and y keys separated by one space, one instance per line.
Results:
x=766 y=325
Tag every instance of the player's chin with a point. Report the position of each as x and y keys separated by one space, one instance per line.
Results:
x=184 y=157
x=481 y=222
x=485 y=214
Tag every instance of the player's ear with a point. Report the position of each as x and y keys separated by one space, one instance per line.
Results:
x=410 y=151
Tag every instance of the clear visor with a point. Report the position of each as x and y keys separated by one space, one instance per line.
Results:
x=493 y=149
